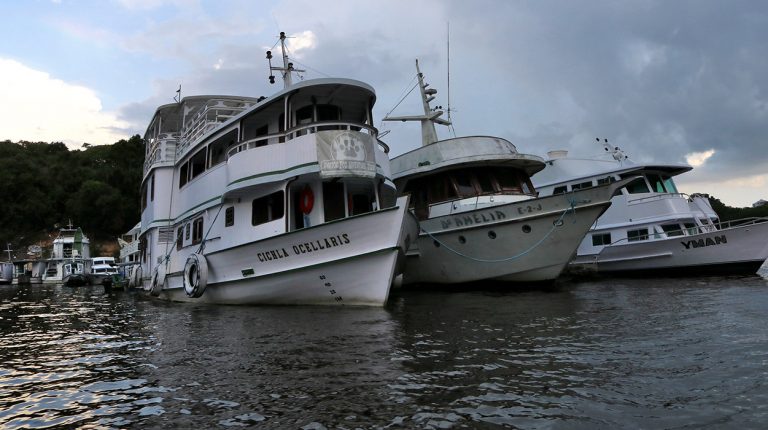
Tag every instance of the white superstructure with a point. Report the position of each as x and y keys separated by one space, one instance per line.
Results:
x=651 y=227
x=279 y=200
x=71 y=255
x=479 y=214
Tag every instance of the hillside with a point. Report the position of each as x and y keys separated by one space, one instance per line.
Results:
x=45 y=185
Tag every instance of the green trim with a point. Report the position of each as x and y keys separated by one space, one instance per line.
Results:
x=274 y=172
x=305 y=229
x=284 y=272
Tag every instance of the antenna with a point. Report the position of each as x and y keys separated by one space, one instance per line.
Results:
x=177 y=97
x=448 y=48
x=287 y=66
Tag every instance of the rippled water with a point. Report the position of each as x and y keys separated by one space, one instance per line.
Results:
x=653 y=353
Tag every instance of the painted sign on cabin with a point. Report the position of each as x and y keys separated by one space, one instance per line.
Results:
x=345 y=153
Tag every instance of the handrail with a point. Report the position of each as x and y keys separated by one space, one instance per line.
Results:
x=289 y=134
x=700 y=229
x=657 y=196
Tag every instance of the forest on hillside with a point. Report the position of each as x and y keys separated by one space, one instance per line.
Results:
x=45 y=185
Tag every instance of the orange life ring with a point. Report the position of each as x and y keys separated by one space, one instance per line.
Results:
x=306 y=200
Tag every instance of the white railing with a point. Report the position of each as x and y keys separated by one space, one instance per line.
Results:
x=163 y=150
x=130 y=248
x=306 y=129
x=215 y=113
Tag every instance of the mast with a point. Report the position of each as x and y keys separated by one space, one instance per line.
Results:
x=287 y=65
x=9 y=250
x=430 y=116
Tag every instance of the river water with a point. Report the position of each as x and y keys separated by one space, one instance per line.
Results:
x=620 y=353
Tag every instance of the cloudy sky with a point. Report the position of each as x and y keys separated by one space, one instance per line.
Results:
x=667 y=81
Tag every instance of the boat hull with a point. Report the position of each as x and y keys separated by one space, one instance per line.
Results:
x=347 y=262
x=739 y=250
x=523 y=242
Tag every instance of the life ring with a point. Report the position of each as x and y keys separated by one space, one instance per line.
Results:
x=306 y=200
x=158 y=281
x=195 y=275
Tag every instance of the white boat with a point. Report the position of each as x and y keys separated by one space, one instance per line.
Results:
x=103 y=271
x=129 y=253
x=479 y=214
x=279 y=200
x=651 y=228
x=70 y=256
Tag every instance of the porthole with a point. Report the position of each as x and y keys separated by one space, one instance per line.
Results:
x=558 y=223
x=462 y=240
x=526 y=228
x=436 y=243
x=492 y=234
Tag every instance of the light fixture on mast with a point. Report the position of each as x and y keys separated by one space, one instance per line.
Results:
x=287 y=66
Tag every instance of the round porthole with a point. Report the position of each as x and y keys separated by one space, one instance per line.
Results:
x=526 y=228
x=492 y=234
x=462 y=239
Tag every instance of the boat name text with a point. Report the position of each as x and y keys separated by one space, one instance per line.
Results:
x=473 y=219
x=700 y=243
x=303 y=248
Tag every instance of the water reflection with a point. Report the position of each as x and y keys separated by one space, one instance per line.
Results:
x=620 y=353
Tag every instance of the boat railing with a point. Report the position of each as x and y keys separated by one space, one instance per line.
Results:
x=163 y=150
x=306 y=129
x=129 y=248
x=660 y=196
x=213 y=114
x=722 y=225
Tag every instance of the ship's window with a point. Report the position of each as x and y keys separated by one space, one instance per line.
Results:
x=262 y=131
x=672 y=230
x=606 y=180
x=508 y=180
x=333 y=201
x=637 y=187
x=691 y=228
x=657 y=184
x=669 y=184
x=197 y=231
x=600 y=239
x=560 y=190
x=328 y=113
x=581 y=185
x=152 y=188
x=197 y=163
x=441 y=188
x=217 y=151
x=267 y=208
x=183 y=172
x=484 y=181
x=637 y=235
x=186 y=232
x=144 y=196
x=464 y=184
x=361 y=198
x=180 y=238
x=229 y=217
x=304 y=116
x=526 y=184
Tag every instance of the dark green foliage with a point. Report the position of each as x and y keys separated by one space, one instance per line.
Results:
x=45 y=184
x=728 y=213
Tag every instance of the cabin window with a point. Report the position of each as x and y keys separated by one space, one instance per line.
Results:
x=672 y=230
x=186 y=232
x=152 y=188
x=691 y=228
x=657 y=184
x=217 y=151
x=508 y=180
x=581 y=185
x=637 y=235
x=441 y=189
x=464 y=184
x=267 y=208
x=303 y=117
x=333 y=201
x=669 y=184
x=328 y=113
x=197 y=231
x=362 y=198
x=601 y=239
x=638 y=187
x=197 y=164
x=229 y=217
x=606 y=180
x=485 y=182
x=562 y=189
x=262 y=131
x=525 y=183
x=144 y=196
x=183 y=174
x=180 y=238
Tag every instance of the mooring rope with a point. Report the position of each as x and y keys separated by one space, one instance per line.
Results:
x=559 y=222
